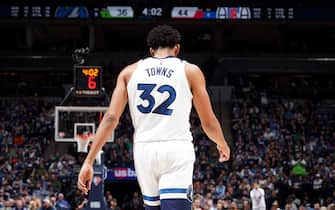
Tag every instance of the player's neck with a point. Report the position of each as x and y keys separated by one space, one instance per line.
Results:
x=163 y=53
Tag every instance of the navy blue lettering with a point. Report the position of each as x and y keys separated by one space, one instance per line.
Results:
x=164 y=71
x=169 y=73
x=152 y=70
x=159 y=71
x=148 y=72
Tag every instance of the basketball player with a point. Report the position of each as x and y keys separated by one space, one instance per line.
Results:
x=160 y=90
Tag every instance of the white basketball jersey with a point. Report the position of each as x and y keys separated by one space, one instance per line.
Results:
x=160 y=100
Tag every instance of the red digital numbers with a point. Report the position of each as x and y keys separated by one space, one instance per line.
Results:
x=91 y=83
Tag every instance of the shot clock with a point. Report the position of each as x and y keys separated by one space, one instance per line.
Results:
x=87 y=80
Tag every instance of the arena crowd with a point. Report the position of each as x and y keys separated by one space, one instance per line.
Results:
x=287 y=145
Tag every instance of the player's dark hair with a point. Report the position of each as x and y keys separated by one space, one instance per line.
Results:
x=163 y=36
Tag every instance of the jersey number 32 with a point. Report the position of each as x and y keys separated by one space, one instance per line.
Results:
x=162 y=108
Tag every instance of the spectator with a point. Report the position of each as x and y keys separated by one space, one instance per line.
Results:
x=275 y=206
x=233 y=206
x=257 y=197
x=114 y=205
x=219 y=206
x=40 y=192
x=19 y=205
x=317 y=206
x=33 y=205
x=8 y=205
x=53 y=200
x=46 y=205
x=2 y=206
x=136 y=202
x=61 y=203
x=196 y=203
x=220 y=190
x=317 y=182
x=246 y=205
x=331 y=206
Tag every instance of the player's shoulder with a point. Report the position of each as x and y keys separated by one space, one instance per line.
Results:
x=127 y=71
x=192 y=69
x=130 y=68
x=191 y=66
x=193 y=72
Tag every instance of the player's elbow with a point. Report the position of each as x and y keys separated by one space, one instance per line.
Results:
x=111 y=119
x=209 y=128
x=210 y=124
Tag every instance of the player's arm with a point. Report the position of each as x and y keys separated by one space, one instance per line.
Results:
x=110 y=119
x=202 y=104
x=105 y=130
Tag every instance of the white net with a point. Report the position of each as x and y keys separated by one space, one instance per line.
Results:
x=82 y=141
x=83 y=134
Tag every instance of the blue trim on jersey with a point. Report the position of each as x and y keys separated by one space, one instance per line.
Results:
x=173 y=190
x=150 y=198
x=176 y=204
x=170 y=56
x=152 y=207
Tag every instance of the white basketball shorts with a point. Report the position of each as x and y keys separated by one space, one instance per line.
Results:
x=164 y=170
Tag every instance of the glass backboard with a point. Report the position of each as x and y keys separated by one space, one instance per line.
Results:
x=72 y=121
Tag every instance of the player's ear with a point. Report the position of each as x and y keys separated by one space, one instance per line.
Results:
x=177 y=49
x=152 y=51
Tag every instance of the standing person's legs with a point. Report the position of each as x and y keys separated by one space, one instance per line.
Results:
x=175 y=183
x=145 y=166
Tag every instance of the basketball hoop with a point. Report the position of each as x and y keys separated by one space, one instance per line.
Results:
x=83 y=140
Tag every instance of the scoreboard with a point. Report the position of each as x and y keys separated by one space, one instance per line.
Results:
x=87 y=80
x=219 y=11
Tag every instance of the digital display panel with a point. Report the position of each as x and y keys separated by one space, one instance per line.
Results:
x=217 y=11
x=88 y=80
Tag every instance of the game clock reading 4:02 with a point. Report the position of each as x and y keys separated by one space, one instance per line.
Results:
x=87 y=80
x=152 y=11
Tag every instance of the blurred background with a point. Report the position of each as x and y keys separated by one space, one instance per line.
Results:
x=269 y=67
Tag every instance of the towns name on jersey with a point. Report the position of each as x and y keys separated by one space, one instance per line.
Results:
x=159 y=71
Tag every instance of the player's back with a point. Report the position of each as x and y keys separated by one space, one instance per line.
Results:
x=160 y=100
